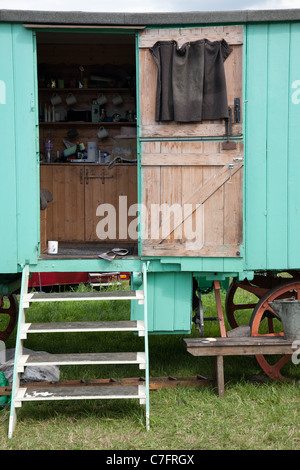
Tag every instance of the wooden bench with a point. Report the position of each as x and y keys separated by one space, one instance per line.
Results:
x=248 y=346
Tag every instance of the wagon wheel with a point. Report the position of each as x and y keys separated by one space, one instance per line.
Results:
x=232 y=308
x=12 y=311
x=265 y=322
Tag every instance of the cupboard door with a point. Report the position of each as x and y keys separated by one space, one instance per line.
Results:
x=109 y=193
x=65 y=214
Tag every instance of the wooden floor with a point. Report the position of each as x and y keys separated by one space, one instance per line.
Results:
x=89 y=250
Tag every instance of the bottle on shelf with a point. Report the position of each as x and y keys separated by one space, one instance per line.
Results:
x=49 y=148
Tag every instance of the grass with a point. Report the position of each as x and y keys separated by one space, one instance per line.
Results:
x=253 y=415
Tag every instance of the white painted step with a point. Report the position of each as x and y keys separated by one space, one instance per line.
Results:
x=77 y=327
x=82 y=296
x=92 y=392
x=44 y=359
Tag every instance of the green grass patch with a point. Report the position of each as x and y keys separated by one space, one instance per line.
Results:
x=252 y=415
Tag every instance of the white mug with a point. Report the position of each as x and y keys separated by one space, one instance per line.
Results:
x=117 y=99
x=52 y=248
x=55 y=99
x=101 y=99
x=70 y=99
x=102 y=132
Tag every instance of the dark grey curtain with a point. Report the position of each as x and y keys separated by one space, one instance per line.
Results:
x=191 y=83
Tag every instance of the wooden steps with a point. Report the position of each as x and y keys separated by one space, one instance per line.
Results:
x=83 y=327
x=81 y=359
x=22 y=393
x=95 y=392
x=82 y=296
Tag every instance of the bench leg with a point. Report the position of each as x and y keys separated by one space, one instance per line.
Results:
x=219 y=374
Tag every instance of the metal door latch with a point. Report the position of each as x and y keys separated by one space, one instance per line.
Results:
x=230 y=166
x=237 y=110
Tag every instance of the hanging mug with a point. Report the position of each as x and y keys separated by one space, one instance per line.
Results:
x=55 y=99
x=101 y=99
x=70 y=99
x=117 y=100
x=102 y=133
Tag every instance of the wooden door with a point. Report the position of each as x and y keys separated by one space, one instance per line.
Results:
x=109 y=194
x=65 y=214
x=192 y=180
x=192 y=199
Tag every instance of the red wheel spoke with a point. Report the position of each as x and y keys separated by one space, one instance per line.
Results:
x=12 y=312
x=264 y=311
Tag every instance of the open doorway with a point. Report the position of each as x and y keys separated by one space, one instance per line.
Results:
x=87 y=132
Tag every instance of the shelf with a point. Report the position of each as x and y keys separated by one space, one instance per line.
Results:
x=85 y=90
x=87 y=124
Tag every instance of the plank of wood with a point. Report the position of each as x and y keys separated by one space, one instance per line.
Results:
x=238 y=346
x=84 y=296
x=198 y=196
x=71 y=393
x=233 y=34
x=54 y=327
x=179 y=159
x=218 y=364
x=81 y=359
x=153 y=248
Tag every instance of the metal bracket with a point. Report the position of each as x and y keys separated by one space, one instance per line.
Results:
x=237 y=110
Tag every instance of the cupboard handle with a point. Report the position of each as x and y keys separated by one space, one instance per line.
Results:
x=81 y=176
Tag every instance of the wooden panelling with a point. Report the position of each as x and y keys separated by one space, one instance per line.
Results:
x=106 y=186
x=77 y=192
x=232 y=34
x=148 y=72
x=200 y=204
x=65 y=214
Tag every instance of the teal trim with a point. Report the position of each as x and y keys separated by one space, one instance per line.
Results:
x=37 y=139
x=147 y=379
x=83 y=30
x=138 y=127
x=18 y=350
x=8 y=207
x=27 y=195
x=244 y=114
x=199 y=138
x=205 y=265
x=293 y=164
x=169 y=302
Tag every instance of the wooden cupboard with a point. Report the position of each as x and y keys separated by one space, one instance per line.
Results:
x=78 y=190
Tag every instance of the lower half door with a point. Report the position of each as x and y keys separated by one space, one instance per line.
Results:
x=192 y=199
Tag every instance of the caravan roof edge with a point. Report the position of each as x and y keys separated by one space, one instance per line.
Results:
x=134 y=19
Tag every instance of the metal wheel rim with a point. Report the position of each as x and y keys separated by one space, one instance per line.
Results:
x=259 y=313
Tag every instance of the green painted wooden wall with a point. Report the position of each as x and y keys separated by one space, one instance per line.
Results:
x=272 y=153
x=272 y=143
x=19 y=186
x=169 y=302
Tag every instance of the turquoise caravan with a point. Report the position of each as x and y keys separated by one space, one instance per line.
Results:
x=162 y=145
